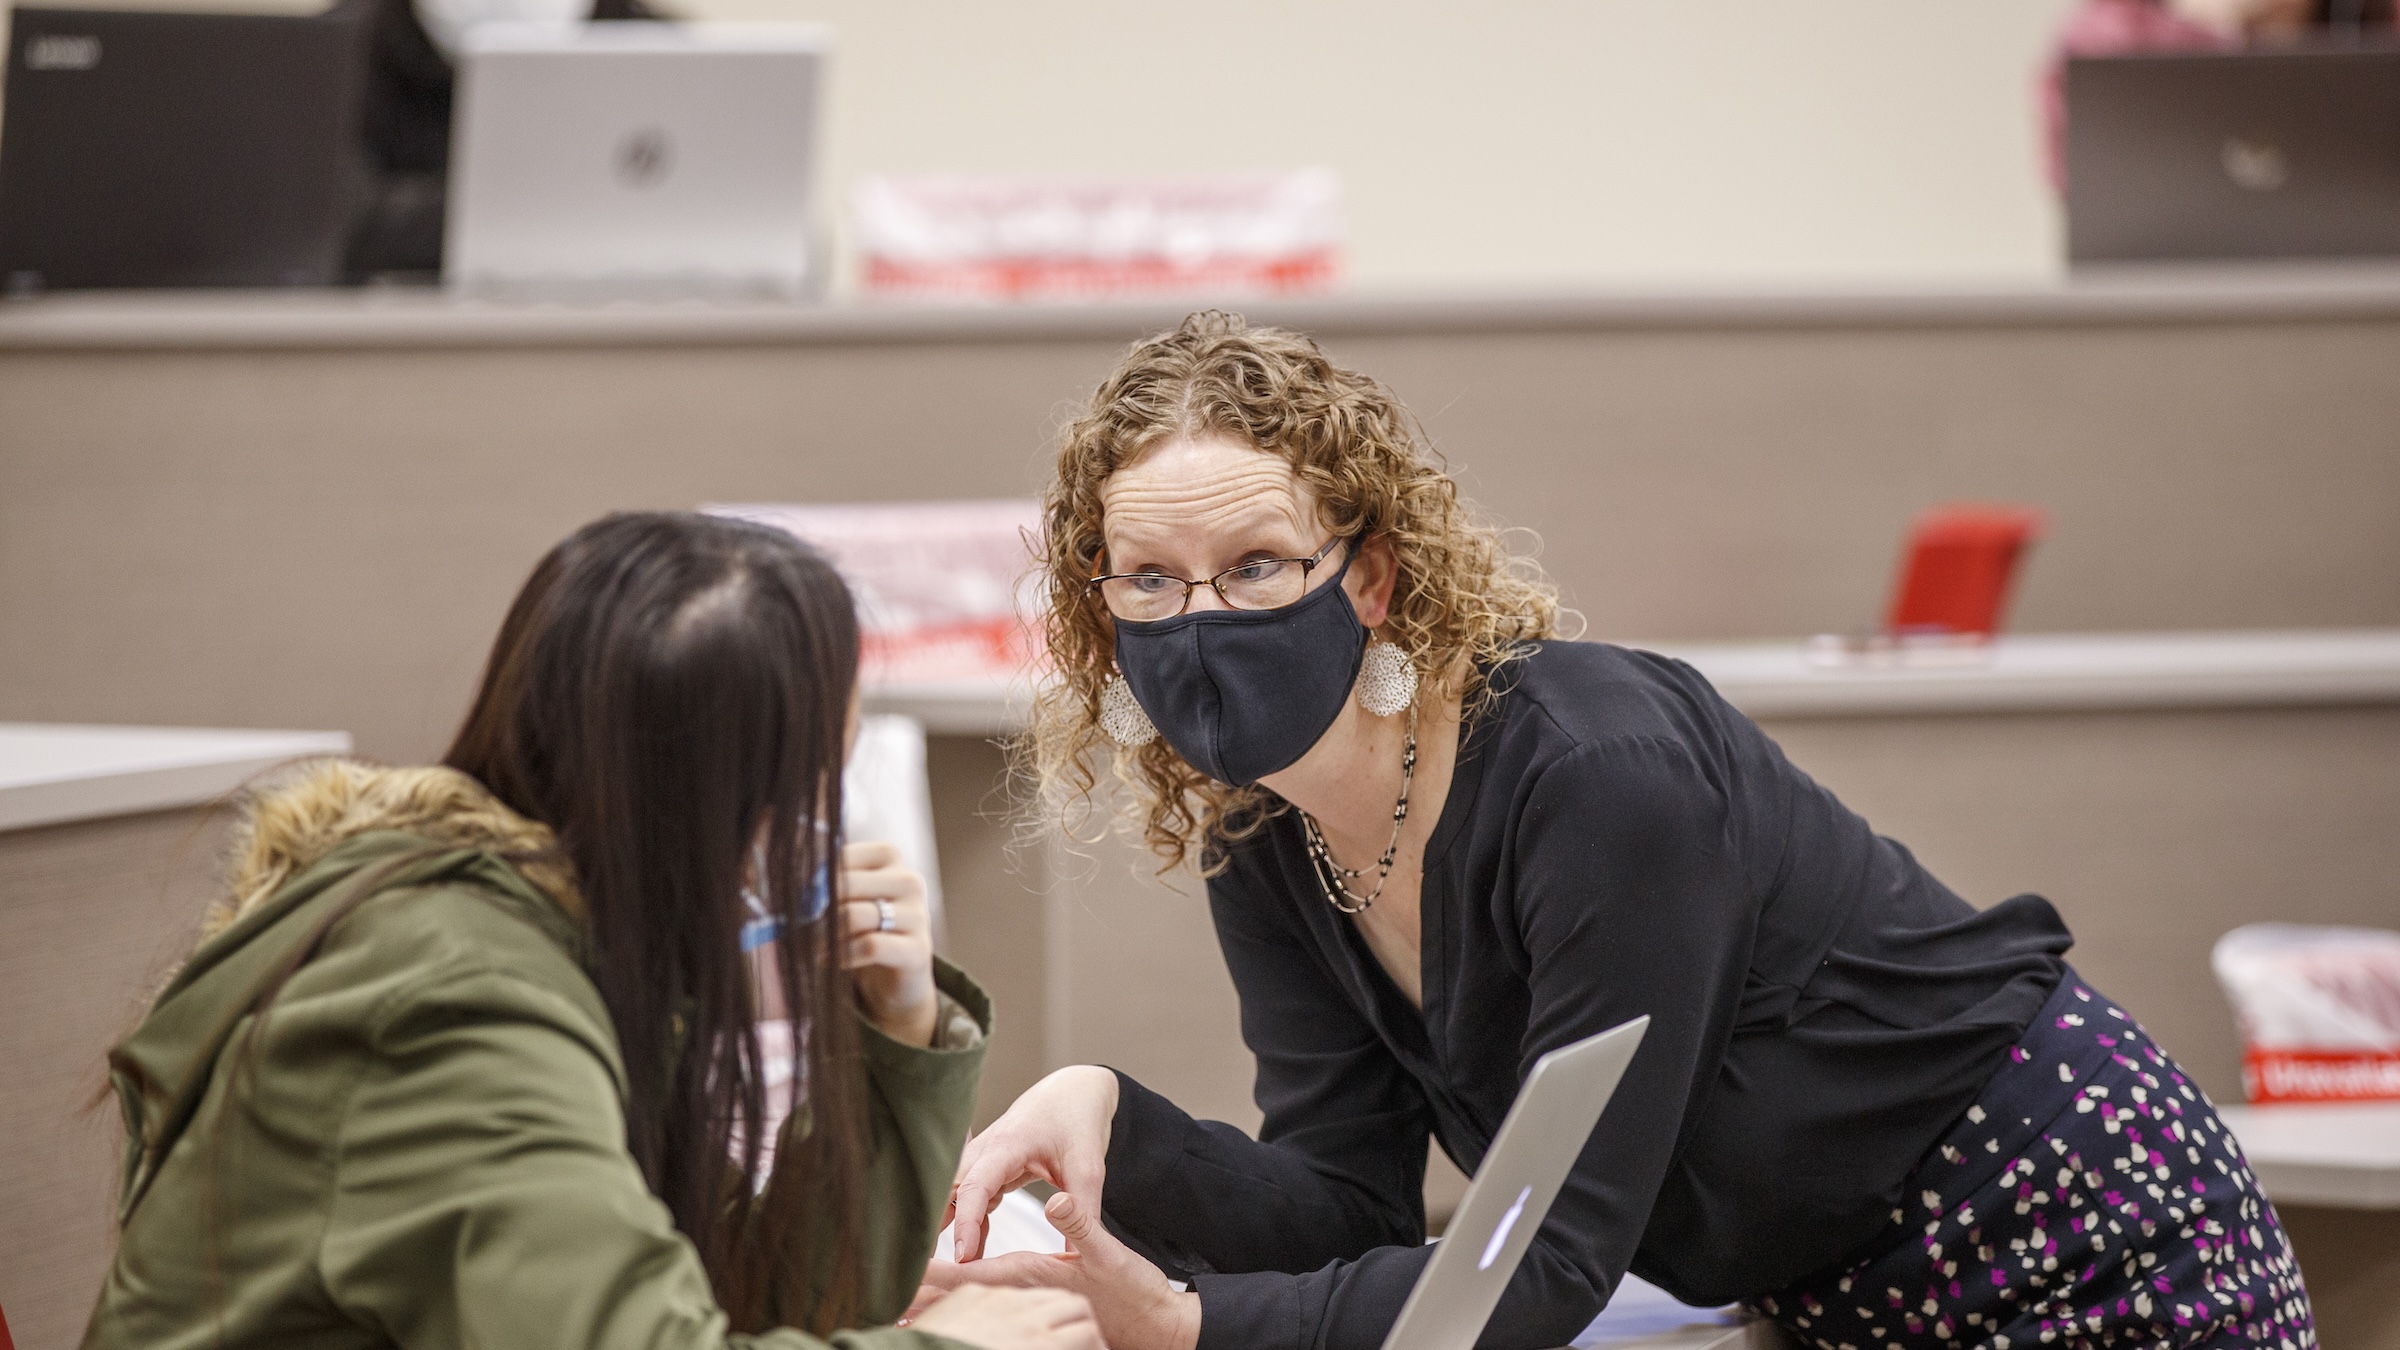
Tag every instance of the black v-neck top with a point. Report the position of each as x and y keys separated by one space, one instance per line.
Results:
x=1617 y=841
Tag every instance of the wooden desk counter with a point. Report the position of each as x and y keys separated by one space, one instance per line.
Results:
x=107 y=855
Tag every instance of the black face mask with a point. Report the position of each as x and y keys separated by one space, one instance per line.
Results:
x=1241 y=693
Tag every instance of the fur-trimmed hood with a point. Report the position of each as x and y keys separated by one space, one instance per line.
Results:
x=292 y=824
x=476 y=883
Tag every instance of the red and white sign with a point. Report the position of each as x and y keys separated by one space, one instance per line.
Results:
x=940 y=585
x=2319 y=1008
x=994 y=238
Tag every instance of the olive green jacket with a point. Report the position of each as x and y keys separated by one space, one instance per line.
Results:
x=425 y=1146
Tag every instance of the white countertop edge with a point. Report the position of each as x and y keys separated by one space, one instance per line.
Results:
x=55 y=774
x=431 y=317
x=2027 y=673
x=2326 y=1186
x=2063 y=672
x=2343 y=1155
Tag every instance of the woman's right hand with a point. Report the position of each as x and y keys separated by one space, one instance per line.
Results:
x=1012 y=1319
x=1058 y=1132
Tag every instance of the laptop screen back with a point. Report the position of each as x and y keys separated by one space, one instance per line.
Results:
x=1538 y=1144
x=649 y=154
x=2287 y=154
x=167 y=149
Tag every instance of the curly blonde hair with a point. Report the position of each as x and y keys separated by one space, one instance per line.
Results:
x=1461 y=605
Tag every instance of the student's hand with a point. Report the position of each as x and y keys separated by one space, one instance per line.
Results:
x=1010 y=1319
x=892 y=969
x=1136 y=1307
x=1057 y=1132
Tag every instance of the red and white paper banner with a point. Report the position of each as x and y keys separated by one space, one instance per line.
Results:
x=999 y=238
x=2319 y=1008
x=939 y=585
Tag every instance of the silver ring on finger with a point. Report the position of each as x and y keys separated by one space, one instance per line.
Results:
x=887 y=919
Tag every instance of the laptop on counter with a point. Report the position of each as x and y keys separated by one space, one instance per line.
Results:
x=642 y=157
x=2234 y=155
x=172 y=149
x=1546 y=1129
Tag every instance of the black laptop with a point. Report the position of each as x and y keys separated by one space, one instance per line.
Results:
x=177 y=149
x=2259 y=154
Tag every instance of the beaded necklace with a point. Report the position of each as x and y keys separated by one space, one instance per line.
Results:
x=1334 y=878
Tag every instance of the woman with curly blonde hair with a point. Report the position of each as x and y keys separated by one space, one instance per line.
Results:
x=1441 y=842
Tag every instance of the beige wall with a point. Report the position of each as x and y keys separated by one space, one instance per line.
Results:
x=327 y=538
x=1701 y=484
x=1510 y=143
x=1515 y=142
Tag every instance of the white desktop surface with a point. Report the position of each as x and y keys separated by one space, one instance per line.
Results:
x=1642 y=1316
x=2058 y=672
x=2345 y=1155
x=51 y=773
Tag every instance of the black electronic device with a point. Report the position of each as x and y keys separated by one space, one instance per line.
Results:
x=2287 y=153
x=153 y=149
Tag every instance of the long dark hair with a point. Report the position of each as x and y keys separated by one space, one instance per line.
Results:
x=663 y=685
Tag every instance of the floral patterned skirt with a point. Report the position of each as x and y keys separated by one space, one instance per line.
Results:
x=2089 y=1198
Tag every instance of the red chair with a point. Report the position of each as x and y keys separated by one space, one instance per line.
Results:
x=1960 y=563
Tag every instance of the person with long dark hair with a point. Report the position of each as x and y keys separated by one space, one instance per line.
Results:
x=470 y=1054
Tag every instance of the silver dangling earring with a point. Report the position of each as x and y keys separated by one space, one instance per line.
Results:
x=1387 y=679
x=1121 y=716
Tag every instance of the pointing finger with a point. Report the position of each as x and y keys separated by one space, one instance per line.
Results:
x=971 y=1202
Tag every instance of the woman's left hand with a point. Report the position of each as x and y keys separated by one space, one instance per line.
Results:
x=891 y=962
x=1137 y=1308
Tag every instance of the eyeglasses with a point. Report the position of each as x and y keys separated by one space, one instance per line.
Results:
x=1262 y=583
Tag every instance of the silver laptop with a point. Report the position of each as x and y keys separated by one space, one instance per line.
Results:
x=635 y=156
x=2278 y=154
x=1538 y=1144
